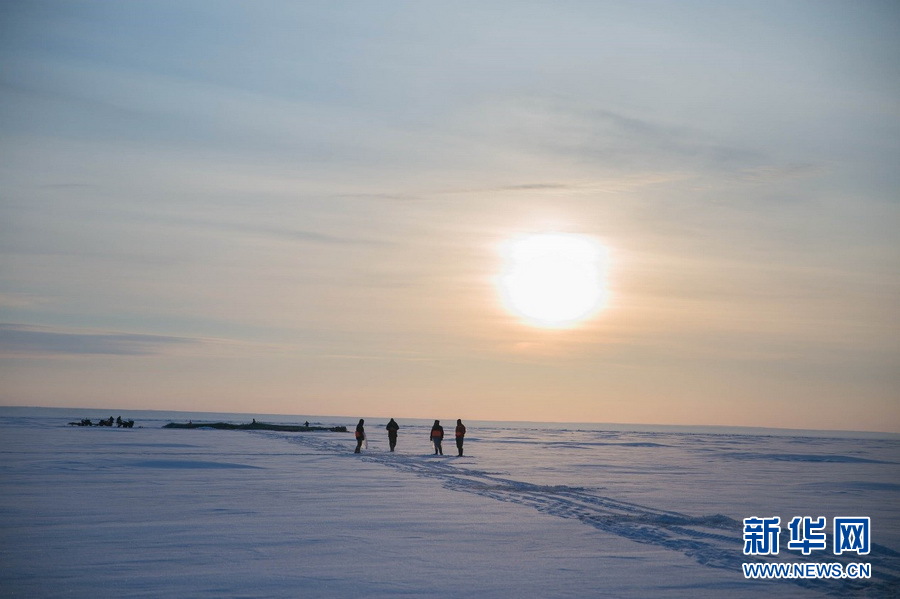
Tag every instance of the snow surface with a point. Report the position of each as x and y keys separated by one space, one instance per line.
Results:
x=536 y=511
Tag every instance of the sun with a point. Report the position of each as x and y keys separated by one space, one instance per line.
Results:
x=553 y=280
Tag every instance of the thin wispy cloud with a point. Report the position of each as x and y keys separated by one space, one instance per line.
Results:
x=21 y=340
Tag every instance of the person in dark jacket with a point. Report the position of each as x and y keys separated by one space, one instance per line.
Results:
x=360 y=435
x=437 y=435
x=460 y=435
x=392 y=428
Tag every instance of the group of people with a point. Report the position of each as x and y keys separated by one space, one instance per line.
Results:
x=436 y=435
x=109 y=422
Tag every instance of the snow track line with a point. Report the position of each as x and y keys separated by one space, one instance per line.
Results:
x=714 y=540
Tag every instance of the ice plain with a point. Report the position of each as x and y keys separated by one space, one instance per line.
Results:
x=537 y=510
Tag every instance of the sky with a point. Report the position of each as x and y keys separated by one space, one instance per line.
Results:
x=301 y=208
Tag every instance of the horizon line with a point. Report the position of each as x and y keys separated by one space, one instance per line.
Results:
x=555 y=422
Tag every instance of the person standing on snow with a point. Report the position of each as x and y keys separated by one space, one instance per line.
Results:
x=360 y=435
x=437 y=435
x=392 y=428
x=460 y=435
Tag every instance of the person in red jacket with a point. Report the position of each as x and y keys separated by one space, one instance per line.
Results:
x=437 y=435
x=460 y=435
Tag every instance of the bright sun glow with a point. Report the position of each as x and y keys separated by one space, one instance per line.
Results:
x=553 y=280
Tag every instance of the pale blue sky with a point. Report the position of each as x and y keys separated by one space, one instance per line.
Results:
x=296 y=207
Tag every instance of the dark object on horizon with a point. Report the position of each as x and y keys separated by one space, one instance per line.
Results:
x=108 y=422
x=392 y=428
x=460 y=435
x=360 y=435
x=437 y=435
x=259 y=426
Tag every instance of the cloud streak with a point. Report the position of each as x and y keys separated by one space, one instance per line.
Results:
x=23 y=340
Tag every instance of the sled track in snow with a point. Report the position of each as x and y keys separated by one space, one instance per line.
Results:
x=715 y=540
